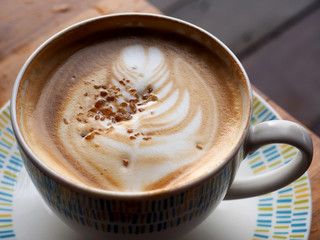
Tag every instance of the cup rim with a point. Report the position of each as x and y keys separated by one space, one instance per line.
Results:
x=95 y=192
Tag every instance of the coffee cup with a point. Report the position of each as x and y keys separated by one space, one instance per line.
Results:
x=133 y=126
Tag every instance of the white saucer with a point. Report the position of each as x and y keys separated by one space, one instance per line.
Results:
x=283 y=214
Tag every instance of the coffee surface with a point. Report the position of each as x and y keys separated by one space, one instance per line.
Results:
x=135 y=111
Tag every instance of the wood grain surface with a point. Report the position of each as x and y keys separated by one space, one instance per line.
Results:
x=25 y=24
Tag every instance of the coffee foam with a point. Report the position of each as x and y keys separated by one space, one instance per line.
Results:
x=187 y=130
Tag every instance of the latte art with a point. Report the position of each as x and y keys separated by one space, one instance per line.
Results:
x=140 y=150
x=137 y=114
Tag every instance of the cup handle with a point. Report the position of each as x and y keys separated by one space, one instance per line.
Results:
x=276 y=131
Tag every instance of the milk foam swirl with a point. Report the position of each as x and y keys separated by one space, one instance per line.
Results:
x=156 y=146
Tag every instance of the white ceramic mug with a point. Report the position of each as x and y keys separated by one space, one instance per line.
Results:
x=172 y=212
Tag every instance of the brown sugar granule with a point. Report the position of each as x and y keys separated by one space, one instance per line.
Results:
x=79 y=119
x=136 y=134
x=91 y=135
x=199 y=146
x=111 y=98
x=94 y=110
x=124 y=104
x=130 y=130
x=109 y=105
x=134 y=101
x=65 y=121
x=125 y=162
x=127 y=116
x=146 y=138
x=86 y=94
x=122 y=110
x=122 y=116
x=100 y=103
x=103 y=93
x=118 y=117
x=152 y=97
x=132 y=91
x=133 y=106
x=107 y=111
x=132 y=138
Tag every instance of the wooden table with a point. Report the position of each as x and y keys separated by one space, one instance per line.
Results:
x=25 y=24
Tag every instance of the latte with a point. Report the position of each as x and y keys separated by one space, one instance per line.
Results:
x=134 y=111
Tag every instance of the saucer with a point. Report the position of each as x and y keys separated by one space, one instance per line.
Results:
x=283 y=214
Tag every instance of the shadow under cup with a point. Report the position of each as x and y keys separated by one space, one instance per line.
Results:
x=121 y=215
